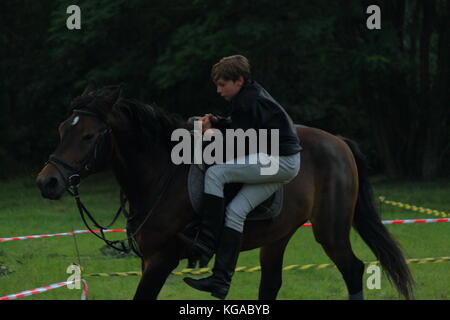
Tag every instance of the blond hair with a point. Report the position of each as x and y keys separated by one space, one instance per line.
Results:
x=231 y=68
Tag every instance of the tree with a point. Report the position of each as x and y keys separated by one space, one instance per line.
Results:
x=387 y=88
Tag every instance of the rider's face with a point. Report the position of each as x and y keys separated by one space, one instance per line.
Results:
x=229 y=88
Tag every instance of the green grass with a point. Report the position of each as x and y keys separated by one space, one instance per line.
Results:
x=39 y=262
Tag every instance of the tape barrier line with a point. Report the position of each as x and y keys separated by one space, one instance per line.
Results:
x=84 y=292
x=58 y=234
x=403 y=221
x=415 y=221
x=258 y=268
x=411 y=207
x=124 y=230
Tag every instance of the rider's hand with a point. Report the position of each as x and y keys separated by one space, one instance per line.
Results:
x=207 y=121
x=213 y=118
x=209 y=116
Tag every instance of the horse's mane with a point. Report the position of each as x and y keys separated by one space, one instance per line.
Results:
x=150 y=124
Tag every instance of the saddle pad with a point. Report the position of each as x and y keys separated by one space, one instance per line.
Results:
x=269 y=209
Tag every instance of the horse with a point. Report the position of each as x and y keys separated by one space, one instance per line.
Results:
x=104 y=130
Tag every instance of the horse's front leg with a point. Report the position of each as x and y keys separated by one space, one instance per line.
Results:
x=155 y=271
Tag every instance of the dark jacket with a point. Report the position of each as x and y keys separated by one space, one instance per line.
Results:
x=253 y=107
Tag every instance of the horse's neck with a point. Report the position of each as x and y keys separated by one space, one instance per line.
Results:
x=139 y=174
x=140 y=177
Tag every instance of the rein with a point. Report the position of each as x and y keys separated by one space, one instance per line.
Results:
x=73 y=189
x=73 y=183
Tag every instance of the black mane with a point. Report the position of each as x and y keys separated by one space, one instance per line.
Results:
x=149 y=124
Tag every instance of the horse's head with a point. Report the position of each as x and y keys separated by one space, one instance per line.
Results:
x=85 y=143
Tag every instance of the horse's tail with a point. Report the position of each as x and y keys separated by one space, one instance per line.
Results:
x=368 y=223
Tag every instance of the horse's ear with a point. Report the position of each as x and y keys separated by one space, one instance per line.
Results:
x=116 y=93
x=92 y=86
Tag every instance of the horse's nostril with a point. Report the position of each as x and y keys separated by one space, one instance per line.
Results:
x=52 y=183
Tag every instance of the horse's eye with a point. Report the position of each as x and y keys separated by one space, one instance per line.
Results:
x=88 y=137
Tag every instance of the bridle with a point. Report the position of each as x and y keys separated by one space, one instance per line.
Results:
x=87 y=166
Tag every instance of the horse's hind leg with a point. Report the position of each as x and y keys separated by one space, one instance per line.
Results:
x=335 y=240
x=271 y=259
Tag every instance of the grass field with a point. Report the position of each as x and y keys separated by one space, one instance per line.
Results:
x=34 y=263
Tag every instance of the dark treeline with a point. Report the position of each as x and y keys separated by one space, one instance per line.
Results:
x=387 y=89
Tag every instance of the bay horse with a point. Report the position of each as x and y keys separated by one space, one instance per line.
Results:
x=332 y=191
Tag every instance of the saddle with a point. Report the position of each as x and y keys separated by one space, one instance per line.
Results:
x=269 y=209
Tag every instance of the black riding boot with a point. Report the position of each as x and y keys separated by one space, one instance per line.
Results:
x=226 y=258
x=205 y=242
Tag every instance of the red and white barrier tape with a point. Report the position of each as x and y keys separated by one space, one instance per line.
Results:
x=403 y=221
x=84 y=292
x=124 y=230
x=415 y=221
x=58 y=234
